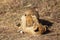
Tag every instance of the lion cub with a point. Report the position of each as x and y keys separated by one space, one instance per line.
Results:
x=30 y=23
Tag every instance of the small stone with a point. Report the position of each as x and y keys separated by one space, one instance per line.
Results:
x=21 y=31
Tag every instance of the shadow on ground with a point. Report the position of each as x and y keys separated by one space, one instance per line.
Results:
x=47 y=23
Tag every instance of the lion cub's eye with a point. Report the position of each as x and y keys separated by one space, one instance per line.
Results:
x=25 y=14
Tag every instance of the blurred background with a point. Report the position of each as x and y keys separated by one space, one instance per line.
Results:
x=12 y=10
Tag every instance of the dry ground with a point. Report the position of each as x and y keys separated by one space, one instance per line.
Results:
x=12 y=10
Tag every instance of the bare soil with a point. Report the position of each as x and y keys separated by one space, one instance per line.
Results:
x=12 y=10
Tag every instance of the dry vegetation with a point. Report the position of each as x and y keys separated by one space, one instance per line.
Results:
x=12 y=10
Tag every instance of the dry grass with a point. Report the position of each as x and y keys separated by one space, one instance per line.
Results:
x=12 y=10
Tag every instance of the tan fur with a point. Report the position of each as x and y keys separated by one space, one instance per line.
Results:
x=30 y=24
x=29 y=21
